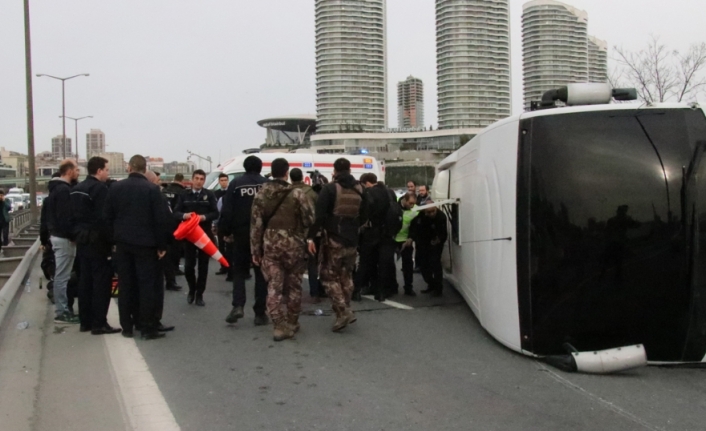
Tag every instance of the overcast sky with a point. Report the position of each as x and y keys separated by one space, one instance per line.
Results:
x=172 y=75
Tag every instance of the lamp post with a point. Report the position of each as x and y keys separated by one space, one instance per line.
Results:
x=30 y=116
x=63 y=107
x=76 y=132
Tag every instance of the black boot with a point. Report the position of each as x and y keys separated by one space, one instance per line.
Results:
x=190 y=297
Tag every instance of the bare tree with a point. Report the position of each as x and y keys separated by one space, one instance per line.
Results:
x=660 y=74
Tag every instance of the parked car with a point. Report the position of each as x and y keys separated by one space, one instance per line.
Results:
x=16 y=202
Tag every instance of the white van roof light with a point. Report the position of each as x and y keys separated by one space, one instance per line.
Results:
x=584 y=94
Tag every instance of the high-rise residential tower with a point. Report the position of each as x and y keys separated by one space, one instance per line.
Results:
x=410 y=103
x=95 y=143
x=554 y=47
x=597 y=60
x=57 y=152
x=472 y=62
x=351 y=66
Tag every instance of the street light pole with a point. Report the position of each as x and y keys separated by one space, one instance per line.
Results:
x=63 y=107
x=30 y=119
x=76 y=132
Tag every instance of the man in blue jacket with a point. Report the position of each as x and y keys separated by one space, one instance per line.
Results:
x=60 y=222
x=235 y=226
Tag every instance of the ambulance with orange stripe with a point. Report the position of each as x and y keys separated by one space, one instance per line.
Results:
x=307 y=162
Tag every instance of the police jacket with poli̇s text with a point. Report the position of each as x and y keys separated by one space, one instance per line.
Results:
x=237 y=207
x=87 y=202
x=202 y=202
x=172 y=193
x=338 y=211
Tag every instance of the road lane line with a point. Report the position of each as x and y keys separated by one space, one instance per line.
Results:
x=390 y=303
x=142 y=401
x=605 y=403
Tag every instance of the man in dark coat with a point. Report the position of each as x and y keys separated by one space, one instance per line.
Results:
x=223 y=246
x=60 y=224
x=429 y=233
x=93 y=249
x=175 y=249
x=135 y=211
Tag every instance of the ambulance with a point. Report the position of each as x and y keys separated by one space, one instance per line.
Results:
x=310 y=163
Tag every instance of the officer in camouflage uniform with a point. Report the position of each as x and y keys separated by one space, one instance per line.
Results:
x=296 y=176
x=281 y=215
x=338 y=215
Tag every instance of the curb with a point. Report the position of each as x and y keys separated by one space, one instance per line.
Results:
x=9 y=291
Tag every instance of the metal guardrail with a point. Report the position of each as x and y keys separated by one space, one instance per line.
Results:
x=20 y=220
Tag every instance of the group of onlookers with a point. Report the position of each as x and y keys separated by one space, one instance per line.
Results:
x=346 y=233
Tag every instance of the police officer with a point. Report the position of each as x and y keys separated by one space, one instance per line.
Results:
x=338 y=219
x=198 y=202
x=175 y=248
x=315 y=291
x=281 y=215
x=377 y=243
x=429 y=233
x=235 y=226
x=135 y=211
x=93 y=249
x=223 y=246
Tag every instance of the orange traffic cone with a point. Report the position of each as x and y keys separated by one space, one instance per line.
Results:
x=192 y=232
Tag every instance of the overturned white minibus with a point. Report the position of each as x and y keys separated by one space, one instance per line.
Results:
x=583 y=228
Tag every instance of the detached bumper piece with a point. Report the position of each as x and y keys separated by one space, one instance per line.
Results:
x=601 y=361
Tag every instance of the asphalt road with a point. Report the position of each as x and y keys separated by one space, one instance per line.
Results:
x=429 y=368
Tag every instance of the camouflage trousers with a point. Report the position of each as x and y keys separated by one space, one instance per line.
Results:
x=283 y=266
x=336 y=273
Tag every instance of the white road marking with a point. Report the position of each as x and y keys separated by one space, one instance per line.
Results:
x=142 y=402
x=605 y=403
x=390 y=303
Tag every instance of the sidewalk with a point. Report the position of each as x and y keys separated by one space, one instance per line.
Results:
x=52 y=377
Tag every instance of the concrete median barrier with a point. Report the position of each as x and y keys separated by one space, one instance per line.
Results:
x=11 y=282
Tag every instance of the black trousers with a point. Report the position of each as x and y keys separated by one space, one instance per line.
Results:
x=192 y=255
x=159 y=288
x=5 y=233
x=241 y=268
x=176 y=252
x=377 y=266
x=407 y=254
x=94 y=286
x=168 y=266
x=138 y=271
x=430 y=264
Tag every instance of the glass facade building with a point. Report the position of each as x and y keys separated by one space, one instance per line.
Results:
x=351 y=68
x=473 y=62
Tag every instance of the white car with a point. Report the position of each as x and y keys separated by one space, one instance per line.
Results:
x=16 y=202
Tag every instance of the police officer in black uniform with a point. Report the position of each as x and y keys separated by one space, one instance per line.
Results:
x=175 y=248
x=93 y=249
x=201 y=202
x=223 y=246
x=135 y=211
x=235 y=225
